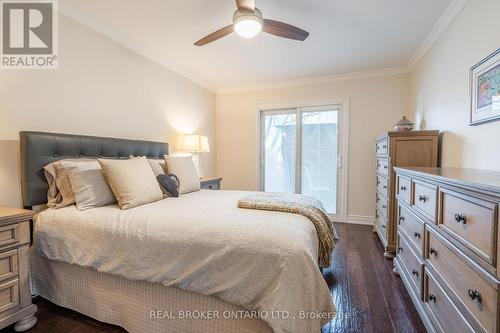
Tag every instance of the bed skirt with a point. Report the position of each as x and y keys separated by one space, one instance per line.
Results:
x=135 y=305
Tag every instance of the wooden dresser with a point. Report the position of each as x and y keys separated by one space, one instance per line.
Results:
x=448 y=246
x=15 y=296
x=398 y=149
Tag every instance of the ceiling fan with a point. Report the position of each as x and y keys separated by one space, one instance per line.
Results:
x=248 y=22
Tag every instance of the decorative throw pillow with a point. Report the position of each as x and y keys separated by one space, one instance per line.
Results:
x=183 y=167
x=169 y=185
x=88 y=183
x=132 y=181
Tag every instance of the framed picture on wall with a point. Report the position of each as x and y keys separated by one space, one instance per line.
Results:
x=485 y=89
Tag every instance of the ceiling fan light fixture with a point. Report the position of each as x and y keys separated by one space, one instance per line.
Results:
x=247 y=24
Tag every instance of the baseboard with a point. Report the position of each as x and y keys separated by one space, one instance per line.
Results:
x=360 y=219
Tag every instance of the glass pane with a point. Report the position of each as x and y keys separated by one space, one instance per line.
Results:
x=279 y=151
x=319 y=157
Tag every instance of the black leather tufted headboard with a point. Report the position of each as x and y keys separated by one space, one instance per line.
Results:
x=39 y=149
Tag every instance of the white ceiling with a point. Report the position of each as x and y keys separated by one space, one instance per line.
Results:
x=345 y=35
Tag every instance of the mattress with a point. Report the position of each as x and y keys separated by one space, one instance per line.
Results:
x=202 y=243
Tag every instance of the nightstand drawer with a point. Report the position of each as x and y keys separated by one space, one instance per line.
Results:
x=9 y=295
x=9 y=236
x=210 y=183
x=211 y=186
x=8 y=265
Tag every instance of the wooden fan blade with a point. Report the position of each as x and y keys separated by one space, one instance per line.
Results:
x=215 y=35
x=245 y=5
x=284 y=30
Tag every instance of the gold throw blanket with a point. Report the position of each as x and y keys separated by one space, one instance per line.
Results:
x=303 y=205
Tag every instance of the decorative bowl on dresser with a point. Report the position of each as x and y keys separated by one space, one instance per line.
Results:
x=448 y=247
x=210 y=183
x=15 y=296
x=398 y=149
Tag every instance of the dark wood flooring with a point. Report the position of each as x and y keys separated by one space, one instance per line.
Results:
x=368 y=297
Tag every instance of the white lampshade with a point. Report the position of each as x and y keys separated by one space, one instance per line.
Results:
x=195 y=143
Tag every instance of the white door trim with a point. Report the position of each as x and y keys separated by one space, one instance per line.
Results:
x=343 y=171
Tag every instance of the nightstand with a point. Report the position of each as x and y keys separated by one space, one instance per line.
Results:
x=210 y=183
x=15 y=296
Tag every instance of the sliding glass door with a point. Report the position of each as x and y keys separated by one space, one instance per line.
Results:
x=300 y=152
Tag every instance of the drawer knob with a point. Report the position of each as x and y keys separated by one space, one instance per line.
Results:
x=433 y=251
x=414 y=272
x=474 y=295
x=421 y=198
x=460 y=218
x=400 y=249
x=401 y=219
x=384 y=206
x=416 y=234
x=403 y=188
x=432 y=298
x=385 y=167
x=384 y=146
x=385 y=187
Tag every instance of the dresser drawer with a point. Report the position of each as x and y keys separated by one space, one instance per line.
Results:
x=8 y=265
x=404 y=188
x=425 y=199
x=442 y=309
x=412 y=263
x=9 y=295
x=382 y=185
x=463 y=280
x=382 y=204
x=9 y=236
x=471 y=221
x=413 y=227
x=381 y=225
x=382 y=146
x=383 y=166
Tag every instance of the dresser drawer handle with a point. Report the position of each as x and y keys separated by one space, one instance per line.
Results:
x=384 y=206
x=383 y=226
x=433 y=251
x=403 y=188
x=385 y=187
x=421 y=198
x=400 y=249
x=385 y=167
x=414 y=272
x=384 y=146
x=474 y=295
x=378 y=182
x=401 y=219
x=416 y=234
x=460 y=218
x=432 y=298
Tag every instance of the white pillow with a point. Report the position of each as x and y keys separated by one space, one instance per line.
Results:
x=132 y=181
x=88 y=183
x=183 y=167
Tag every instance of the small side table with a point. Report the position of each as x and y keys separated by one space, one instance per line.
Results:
x=210 y=183
x=15 y=304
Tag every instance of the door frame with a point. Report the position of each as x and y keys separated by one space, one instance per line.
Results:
x=343 y=151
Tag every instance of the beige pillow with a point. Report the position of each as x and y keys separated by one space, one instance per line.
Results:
x=132 y=181
x=60 y=193
x=183 y=167
x=89 y=185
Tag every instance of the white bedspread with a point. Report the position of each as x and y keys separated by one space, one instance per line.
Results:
x=200 y=242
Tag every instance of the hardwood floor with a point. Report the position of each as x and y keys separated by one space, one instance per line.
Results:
x=368 y=297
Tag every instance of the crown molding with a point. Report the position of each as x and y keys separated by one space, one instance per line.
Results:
x=132 y=44
x=447 y=18
x=315 y=80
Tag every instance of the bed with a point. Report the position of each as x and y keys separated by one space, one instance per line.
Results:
x=195 y=263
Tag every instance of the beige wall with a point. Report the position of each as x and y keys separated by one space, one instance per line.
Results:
x=375 y=104
x=439 y=87
x=100 y=88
